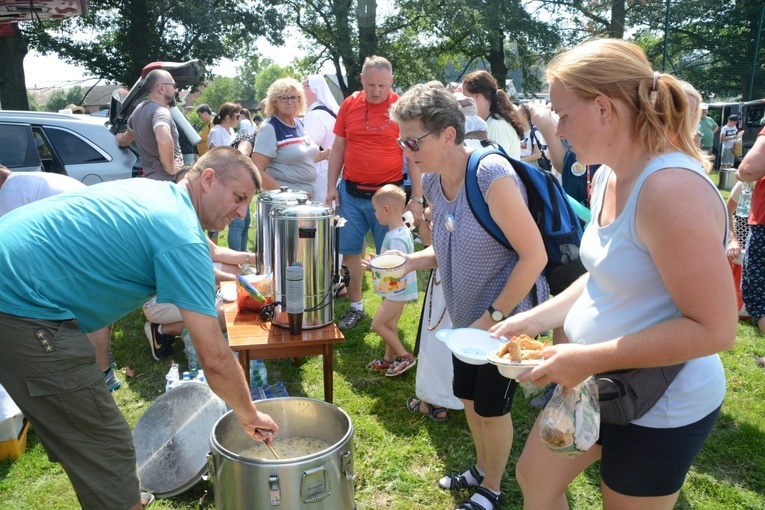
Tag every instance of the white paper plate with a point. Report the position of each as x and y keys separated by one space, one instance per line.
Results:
x=511 y=369
x=470 y=345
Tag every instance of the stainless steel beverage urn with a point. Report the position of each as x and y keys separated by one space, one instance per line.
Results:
x=264 y=233
x=304 y=234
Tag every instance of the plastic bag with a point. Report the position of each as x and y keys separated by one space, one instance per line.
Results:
x=530 y=390
x=570 y=424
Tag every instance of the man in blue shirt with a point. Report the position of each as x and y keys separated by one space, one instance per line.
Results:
x=75 y=263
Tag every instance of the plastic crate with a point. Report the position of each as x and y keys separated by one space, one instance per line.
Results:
x=13 y=448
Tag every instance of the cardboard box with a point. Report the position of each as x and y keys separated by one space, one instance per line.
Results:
x=15 y=447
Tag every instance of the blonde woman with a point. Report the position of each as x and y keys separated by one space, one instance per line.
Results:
x=658 y=291
x=283 y=152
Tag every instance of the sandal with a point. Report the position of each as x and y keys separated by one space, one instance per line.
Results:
x=413 y=404
x=458 y=481
x=495 y=499
x=380 y=364
x=401 y=364
x=147 y=498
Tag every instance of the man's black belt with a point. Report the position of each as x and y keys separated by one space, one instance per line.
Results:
x=359 y=190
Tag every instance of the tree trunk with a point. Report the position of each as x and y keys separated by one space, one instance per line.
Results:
x=366 y=11
x=496 y=58
x=618 y=14
x=13 y=89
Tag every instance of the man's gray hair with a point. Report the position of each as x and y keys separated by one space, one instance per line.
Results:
x=378 y=62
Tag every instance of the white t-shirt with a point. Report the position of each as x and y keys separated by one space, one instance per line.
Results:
x=502 y=132
x=22 y=188
x=219 y=137
x=246 y=127
x=728 y=131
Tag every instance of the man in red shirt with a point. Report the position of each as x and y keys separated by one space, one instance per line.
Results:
x=366 y=151
x=752 y=169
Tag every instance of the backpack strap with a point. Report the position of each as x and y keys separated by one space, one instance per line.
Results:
x=478 y=205
x=326 y=109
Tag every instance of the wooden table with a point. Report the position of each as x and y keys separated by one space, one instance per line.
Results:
x=255 y=339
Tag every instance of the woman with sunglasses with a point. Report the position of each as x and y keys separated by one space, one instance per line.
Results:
x=479 y=291
x=222 y=132
x=283 y=152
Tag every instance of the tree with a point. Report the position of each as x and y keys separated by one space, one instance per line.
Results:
x=710 y=44
x=62 y=97
x=270 y=74
x=13 y=49
x=499 y=34
x=220 y=90
x=123 y=36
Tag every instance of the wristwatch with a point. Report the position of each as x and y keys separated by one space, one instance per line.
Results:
x=495 y=314
x=419 y=200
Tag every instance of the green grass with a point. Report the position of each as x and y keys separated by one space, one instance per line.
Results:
x=400 y=455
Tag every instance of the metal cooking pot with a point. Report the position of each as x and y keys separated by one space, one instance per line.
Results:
x=268 y=201
x=304 y=234
x=320 y=481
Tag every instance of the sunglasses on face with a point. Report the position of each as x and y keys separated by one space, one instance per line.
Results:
x=168 y=84
x=289 y=99
x=413 y=144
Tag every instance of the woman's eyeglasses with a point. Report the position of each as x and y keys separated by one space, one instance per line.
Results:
x=289 y=99
x=413 y=144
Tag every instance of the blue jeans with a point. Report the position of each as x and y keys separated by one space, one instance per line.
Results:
x=360 y=216
x=238 y=233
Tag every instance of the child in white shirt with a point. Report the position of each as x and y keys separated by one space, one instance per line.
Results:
x=389 y=203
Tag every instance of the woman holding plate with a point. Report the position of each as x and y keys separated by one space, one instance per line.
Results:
x=478 y=292
x=658 y=292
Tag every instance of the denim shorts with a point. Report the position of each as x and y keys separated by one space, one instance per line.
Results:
x=49 y=369
x=492 y=393
x=647 y=462
x=360 y=216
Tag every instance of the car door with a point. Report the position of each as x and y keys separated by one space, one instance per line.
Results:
x=19 y=150
x=75 y=156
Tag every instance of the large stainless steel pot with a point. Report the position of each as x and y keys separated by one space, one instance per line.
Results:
x=304 y=234
x=321 y=481
x=264 y=244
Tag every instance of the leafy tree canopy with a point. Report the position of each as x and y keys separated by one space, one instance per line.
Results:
x=115 y=40
x=62 y=97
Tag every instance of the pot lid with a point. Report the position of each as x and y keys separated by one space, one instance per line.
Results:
x=282 y=195
x=304 y=210
x=171 y=439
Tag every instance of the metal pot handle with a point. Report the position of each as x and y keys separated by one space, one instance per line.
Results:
x=347 y=465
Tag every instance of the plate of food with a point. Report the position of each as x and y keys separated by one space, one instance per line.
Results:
x=517 y=356
x=470 y=345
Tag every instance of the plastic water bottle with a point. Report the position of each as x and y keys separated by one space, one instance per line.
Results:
x=173 y=376
x=191 y=354
x=186 y=377
x=201 y=377
x=258 y=373
x=745 y=200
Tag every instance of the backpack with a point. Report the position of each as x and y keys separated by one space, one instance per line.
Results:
x=543 y=162
x=557 y=222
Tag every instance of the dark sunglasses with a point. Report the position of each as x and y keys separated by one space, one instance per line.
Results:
x=413 y=144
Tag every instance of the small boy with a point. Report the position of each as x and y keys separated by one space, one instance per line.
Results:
x=389 y=202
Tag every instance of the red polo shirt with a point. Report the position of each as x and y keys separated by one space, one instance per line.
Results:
x=372 y=155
